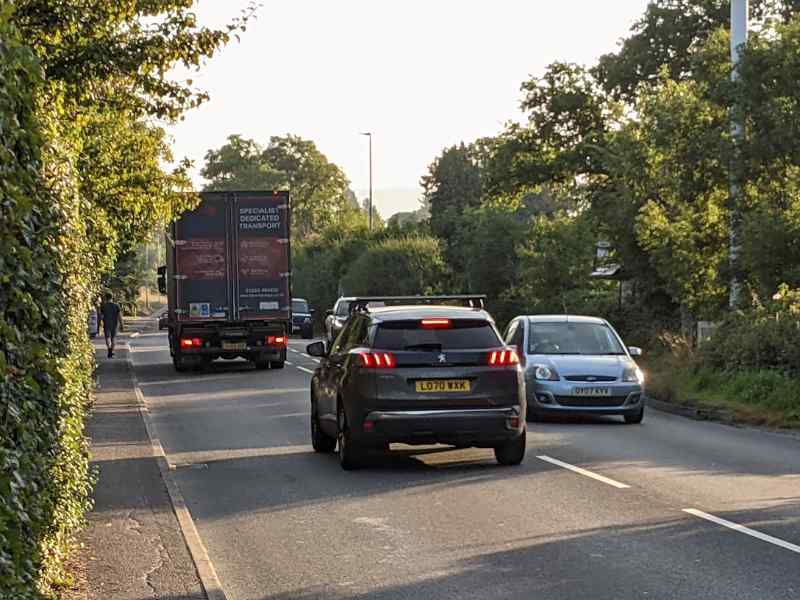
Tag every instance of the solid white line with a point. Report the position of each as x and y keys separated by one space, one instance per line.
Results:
x=304 y=370
x=202 y=561
x=745 y=530
x=575 y=469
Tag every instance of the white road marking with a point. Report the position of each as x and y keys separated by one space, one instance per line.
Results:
x=304 y=370
x=581 y=471
x=291 y=364
x=745 y=530
x=304 y=354
x=293 y=350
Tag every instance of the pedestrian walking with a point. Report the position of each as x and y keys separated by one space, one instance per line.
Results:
x=111 y=317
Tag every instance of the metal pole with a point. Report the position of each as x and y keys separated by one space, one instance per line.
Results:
x=739 y=17
x=369 y=135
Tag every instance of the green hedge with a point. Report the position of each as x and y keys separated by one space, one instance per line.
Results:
x=756 y=339
x=45 y=357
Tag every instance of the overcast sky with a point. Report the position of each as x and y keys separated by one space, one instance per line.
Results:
x=419 y=74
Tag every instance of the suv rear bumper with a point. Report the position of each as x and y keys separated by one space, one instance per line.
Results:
x=467 y=427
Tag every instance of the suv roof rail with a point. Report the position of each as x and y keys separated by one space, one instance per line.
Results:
x=360 y=303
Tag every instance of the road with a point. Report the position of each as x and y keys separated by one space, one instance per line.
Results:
x=640 y=520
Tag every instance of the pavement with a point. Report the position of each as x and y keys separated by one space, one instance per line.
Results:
x=134 y=547
x=673 y=508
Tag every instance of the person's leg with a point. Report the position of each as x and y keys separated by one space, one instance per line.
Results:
x=113 y=343
x=107 y=335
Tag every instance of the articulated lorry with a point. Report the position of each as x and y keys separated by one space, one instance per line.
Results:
x=227 y=280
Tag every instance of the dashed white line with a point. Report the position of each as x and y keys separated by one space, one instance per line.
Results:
x=291 y=364
x=304 y=354
x=579 y=470
x=745 y=530
x=304 y=370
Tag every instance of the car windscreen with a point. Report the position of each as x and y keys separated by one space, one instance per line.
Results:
x=464 y=334
x=573 y=338
x=342 y=309
x=299 y=306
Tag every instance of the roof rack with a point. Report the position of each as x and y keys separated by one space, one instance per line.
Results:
x=361 y=303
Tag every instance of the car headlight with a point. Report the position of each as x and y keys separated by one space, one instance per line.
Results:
x=543 y=372
x=633 y=375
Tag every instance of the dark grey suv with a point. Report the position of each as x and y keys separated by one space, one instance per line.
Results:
x=417 y=374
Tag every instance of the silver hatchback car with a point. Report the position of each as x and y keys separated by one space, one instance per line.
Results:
x=577 y=365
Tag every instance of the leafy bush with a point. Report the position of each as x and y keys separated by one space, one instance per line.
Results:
x=758 y=339
x=45 y=357
x=402 y=266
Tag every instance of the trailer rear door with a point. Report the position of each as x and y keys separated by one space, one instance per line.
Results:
x=202 y=261
x=261 y=256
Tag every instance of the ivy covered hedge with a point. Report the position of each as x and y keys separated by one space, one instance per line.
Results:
x=46 y=360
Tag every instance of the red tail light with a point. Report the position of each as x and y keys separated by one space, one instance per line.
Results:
x=191 y=342
x=436 y=323
x=377 y=360
x=277 y=340
x=503 y=358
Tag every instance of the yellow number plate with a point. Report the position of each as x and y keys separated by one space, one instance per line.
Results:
x=442 y=385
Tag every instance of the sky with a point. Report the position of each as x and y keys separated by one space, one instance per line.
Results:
x=421 y=75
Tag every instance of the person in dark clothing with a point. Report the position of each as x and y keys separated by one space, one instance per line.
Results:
x=111 y=317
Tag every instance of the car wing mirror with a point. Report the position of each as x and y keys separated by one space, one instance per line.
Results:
x=634 y=351
x=317 y=350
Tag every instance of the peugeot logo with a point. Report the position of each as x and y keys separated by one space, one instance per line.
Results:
x=442 y=358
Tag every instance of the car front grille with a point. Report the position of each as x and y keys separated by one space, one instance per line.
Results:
x=591 y=378
x=591 y=401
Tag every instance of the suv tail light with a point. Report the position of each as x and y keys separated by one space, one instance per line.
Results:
x=503 y=358
x=191 y=342
x=277 y=340
x=377 y=360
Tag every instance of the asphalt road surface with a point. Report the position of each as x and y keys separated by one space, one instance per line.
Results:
x=672 y=508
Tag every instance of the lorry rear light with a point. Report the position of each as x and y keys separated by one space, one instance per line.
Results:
x=191 y=342
x=277 y=340
x=377 y=360
x=436 y=323
x=503 y=358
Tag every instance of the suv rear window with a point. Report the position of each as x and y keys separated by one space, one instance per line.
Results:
x=465 y=334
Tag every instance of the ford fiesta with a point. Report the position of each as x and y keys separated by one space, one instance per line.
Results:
x=577 y=365
x=418 y=373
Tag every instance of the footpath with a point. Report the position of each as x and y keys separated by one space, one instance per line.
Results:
x=133 y=546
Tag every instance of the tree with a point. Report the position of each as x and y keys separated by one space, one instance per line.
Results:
x=320 y=193
x=451 y=187
x=568 y=116
x=666 y=37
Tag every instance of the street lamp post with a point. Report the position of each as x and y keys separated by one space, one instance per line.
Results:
x=369 y=135
x=739 y=16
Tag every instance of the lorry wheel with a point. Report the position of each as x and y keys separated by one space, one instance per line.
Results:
x=261 y=364
x=276 y=364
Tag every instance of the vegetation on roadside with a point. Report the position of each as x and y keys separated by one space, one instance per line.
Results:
x=81 y=184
